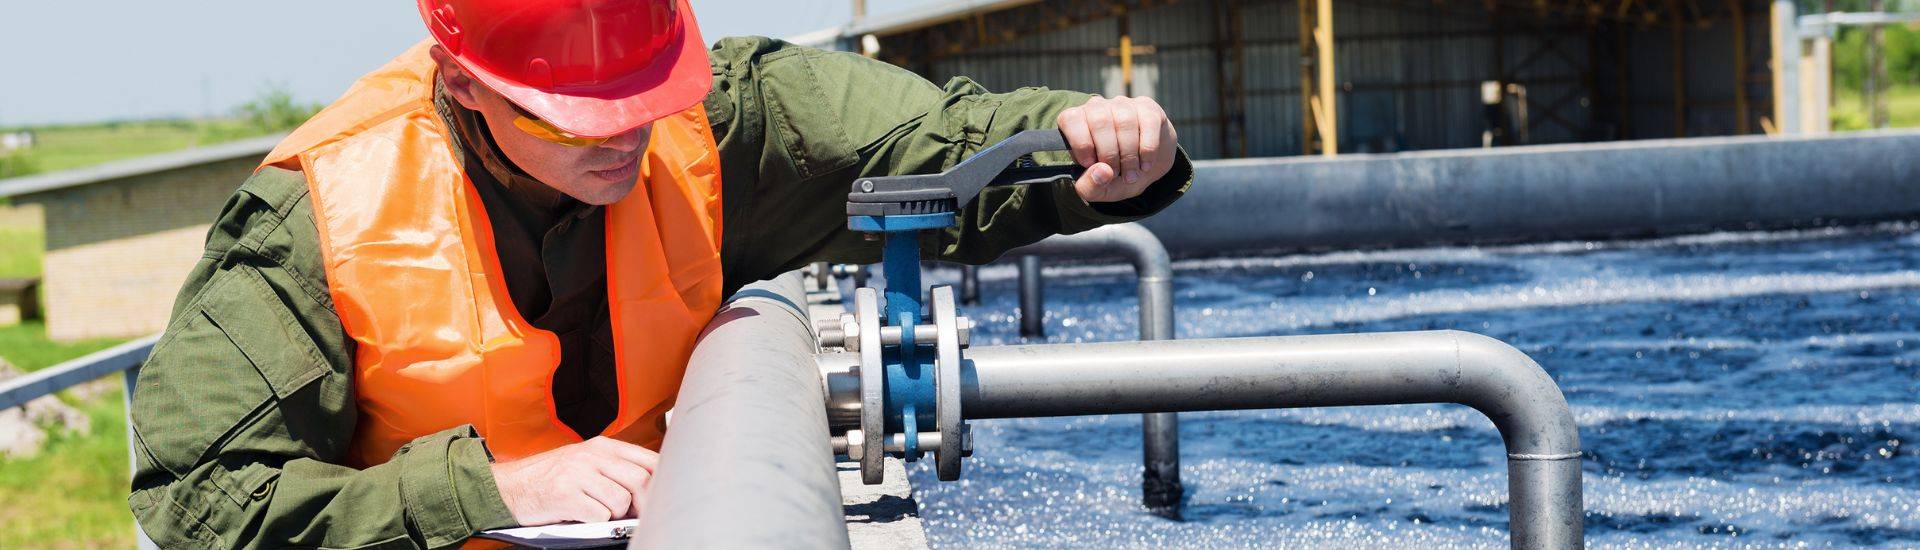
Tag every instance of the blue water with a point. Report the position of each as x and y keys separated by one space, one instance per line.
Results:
x=1732 y=389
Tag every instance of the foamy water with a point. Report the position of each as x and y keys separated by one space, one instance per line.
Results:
x=1732 y=389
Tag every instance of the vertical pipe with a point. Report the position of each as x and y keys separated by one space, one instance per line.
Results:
x=748 y=461
x=1786 y=67
x=969 y=285
x=1032 y=304
x=1160 y=486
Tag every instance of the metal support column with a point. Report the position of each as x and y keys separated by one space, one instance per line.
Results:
x=748 y=463
x=1033 y=307
x=1542 y=441
x=1786 y=67
x=1161 y=490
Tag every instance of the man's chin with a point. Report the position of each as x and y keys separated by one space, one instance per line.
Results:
x=601 y=193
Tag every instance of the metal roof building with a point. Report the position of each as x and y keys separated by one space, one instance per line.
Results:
x=1377 y=75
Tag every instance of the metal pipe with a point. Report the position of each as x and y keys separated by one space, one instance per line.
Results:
x=1543 y=192
x=1160 y=486
x=747 y=461
x=1033 y=306
x=1542 y=442
x=969 y=285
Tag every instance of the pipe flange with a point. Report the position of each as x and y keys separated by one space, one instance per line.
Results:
x=873 y=388
x=946 y=381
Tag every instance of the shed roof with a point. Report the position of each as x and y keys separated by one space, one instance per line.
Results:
x=41 y=183
x=886 y=24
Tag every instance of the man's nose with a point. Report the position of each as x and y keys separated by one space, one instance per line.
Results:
x=630 y=141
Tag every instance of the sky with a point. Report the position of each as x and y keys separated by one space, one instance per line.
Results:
x=125 y=59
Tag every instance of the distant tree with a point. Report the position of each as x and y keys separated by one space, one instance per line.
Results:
x=1901 y=46
x=274 y=109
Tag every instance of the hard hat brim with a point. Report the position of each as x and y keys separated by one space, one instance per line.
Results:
x=679 y=77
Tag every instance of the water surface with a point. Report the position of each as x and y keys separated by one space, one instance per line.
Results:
x=1732 y=389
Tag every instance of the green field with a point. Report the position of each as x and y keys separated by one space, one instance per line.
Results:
x=20 y=250
x=73 y=495
x=1903 y=108
x=77 y=146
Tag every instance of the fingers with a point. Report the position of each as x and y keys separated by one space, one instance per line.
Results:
x=633 y=479
x=1095 y=184
x=605 y=500
x=1100 y=123
x=1073 y=125
x=628 y=452
x=1126 y=133
x=1153 y=129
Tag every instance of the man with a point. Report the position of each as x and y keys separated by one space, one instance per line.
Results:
x=462 y=296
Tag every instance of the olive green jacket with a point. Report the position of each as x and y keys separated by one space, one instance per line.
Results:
x=246 y=408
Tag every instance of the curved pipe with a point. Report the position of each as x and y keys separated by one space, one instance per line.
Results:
x=1542 y=442
x=1161 y=489
x=748 y=463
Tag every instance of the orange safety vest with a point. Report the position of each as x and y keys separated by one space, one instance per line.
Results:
x=416 y=280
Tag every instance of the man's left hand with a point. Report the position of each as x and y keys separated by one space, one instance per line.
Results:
x=1126 y=143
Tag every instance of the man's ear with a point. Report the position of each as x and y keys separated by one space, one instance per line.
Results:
x=458 y=83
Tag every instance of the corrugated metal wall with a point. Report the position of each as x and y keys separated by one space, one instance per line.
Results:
x=1409 y=73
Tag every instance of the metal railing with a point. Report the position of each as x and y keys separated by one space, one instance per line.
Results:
x=123 y=359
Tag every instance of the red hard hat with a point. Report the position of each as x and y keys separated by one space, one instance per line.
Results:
x=593 y=68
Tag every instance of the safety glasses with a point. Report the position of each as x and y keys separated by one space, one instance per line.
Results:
x=544 y=130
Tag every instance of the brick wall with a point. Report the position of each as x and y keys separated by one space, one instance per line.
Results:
x=118 y=251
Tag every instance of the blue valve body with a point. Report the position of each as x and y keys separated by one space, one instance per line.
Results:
x=910 y=394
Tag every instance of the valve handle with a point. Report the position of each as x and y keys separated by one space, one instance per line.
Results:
x=949 y=191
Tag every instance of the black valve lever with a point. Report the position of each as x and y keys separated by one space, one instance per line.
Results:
x=1008 y=162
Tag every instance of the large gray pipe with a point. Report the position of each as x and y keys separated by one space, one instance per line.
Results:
x=747 y=462
x=1542 y=192
x=1543 y=444
x=1160 y=432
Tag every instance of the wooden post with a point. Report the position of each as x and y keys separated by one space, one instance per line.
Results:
x=1306 y=77
x=1126 y=52
x=1329 y=112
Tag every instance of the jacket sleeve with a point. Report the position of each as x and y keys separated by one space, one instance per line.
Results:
x=245 y=409
x=798 y=125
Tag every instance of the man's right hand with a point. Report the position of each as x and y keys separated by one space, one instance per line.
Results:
x=599 y=479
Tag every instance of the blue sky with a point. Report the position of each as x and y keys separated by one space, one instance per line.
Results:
x=85 y=61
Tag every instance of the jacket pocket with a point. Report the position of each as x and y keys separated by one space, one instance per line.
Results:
x=802 y=117
x=217 y=367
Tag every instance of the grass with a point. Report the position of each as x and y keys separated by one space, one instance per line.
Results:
x=73 y=494
x=1903 y=108
x=20 y=251
x=80 y=145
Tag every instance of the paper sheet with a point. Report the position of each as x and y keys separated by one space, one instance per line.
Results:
x=564 y=531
